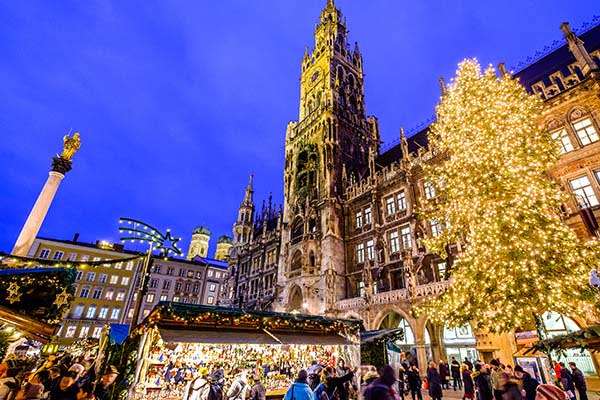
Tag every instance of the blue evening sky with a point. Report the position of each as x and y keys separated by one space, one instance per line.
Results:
x=177 y=101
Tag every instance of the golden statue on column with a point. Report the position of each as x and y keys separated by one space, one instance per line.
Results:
x=70 y=147
x=61 y=164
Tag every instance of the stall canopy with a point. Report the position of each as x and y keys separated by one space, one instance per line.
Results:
x=588 y=338
x=178 y=322
x=34 y=299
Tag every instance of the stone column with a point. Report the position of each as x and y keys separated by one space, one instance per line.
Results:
x=421 y=356
x=60 y=167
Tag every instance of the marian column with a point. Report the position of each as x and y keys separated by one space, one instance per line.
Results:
x=60 y=166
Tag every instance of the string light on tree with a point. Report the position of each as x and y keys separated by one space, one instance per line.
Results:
x=518 y=257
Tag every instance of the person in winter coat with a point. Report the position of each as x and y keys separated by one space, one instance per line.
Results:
x=455 y=372
x=468 y=364
x=566 y=379
x=434 y=382
x=578 y=381
x=495 y=373
x=258 y=391
x=467 y=380
x=510 y=387
x=413 y=378
x=483 y=382
x=239 y=386
x=299 y=390
x=556 y=368
x=527 y=382
x=381 y=388
x=333 y=383
x=444 y=374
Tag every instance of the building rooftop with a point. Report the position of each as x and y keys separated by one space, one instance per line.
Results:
x=539 y=70
x=97 y=246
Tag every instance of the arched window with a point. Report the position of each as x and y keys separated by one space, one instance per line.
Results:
x=295 y=301
x=340 y=73
x=296 y=264
x=312 y=259
x=584 y=126
x=297 y=229
x=556 y=324
x=351 y=80
x=405 y=347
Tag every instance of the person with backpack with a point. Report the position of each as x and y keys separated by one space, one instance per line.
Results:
x=300 y=390
x=239 y=386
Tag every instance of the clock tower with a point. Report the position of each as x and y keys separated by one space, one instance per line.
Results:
x=332 y=142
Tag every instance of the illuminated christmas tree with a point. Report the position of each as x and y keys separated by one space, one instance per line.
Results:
x=518 y=258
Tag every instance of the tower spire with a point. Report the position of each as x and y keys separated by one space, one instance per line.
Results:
x=248 y=196
x=578 y=50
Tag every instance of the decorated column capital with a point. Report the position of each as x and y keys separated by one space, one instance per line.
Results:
x=61 y=165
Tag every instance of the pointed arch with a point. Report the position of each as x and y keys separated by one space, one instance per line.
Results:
x=295 y=299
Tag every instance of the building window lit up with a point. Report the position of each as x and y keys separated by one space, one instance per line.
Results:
x=583 y=191
x=562 y=138
x=586 y=131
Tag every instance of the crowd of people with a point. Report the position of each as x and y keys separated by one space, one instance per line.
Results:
x=478 y=380
x=54 y=378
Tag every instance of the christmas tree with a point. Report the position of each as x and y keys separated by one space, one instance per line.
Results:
x=517 y=257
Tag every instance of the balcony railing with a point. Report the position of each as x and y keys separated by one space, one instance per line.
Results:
x=394 y=296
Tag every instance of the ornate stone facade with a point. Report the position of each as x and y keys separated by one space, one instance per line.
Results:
x=349 y=242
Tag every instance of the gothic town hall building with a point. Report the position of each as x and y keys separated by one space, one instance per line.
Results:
x=347 y=240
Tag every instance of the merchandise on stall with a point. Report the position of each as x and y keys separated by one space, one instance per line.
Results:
x=188 y=350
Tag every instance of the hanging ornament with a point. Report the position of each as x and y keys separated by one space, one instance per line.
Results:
x=13 y=293
x=62 y=298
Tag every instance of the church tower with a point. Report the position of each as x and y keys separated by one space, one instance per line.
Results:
x=331 y=143
x=243 y=227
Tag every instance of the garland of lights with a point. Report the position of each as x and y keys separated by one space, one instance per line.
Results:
x=44 y=294
x=495 y=197
x=198 y=316
x=6 y=260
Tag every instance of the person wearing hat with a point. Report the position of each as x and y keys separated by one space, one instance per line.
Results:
x=549 y=392
x=528 y=383
x=108 y=378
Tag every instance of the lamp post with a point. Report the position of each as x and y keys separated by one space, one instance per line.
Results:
x=132 y=230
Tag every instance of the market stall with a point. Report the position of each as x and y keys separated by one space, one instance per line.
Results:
x=32 y=302
x=180 y=344
x=377 y=347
